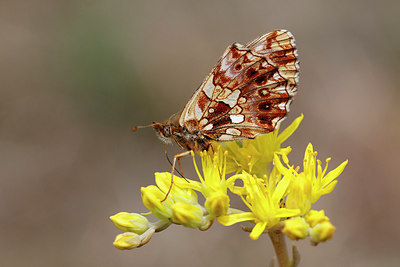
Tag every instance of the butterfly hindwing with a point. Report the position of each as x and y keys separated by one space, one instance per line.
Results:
x=248 y=92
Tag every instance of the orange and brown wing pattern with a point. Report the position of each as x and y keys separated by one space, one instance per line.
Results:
x=248 y=92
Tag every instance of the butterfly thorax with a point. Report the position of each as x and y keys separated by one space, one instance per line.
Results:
x=172 y=130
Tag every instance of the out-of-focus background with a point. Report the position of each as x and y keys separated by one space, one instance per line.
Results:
x=76 y=75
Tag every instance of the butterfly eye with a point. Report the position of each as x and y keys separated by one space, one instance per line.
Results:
x=167 y=131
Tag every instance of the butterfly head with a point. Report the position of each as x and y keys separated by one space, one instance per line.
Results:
x=164 y=131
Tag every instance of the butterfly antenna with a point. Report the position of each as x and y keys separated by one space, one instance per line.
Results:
x=135 y=128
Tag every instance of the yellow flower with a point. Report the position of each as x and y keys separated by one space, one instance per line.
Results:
x=187 y=214
x=265 y=204
x=217 y=204
x=127 y=241
x=255 y=155
x=278 y=200
x=321 y=184
x=132 y=222
x=299 y=196
x=307 y=186
x=153 y=196
x=213 y=185
x=322 y=232
x=314 y=217
x=296 y=228
x=180 y=191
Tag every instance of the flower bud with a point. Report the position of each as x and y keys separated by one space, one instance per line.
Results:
x=322 y=232
x=314 y=217
x=217 y=204
x=296 y=228
x=127 y=240
x=152 y=197
x=187 y=214
x=131 y=222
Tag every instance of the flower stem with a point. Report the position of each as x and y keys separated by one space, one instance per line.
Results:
x=278 y=240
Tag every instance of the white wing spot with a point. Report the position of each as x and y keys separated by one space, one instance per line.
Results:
x=223 y=94
x=282 y=105
x=203 y=122
x=251 y=57
x=197 y=112
x=276 y=121
x=225 y=137
x=259 y=48
x=264 y=92
x=288 y=105
x=279 y=89
x=233 y=131
x=208 y=88
x=231 y=99
x=208 y=127
x=237 y=118
x=211 y=110
x=276 y=76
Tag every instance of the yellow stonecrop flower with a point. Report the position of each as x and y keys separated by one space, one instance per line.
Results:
x=212 y=183
x=188 y=215
x=314 y=224
x=131 y=222
x=127 y=241
x=314 y=217
x=322 y=232
x=296 y=228
x=153 y=196
x=278 y=196
x=307 y=186
x=265 y=205
x=255 y=155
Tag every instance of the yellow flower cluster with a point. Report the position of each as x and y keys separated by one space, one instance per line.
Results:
x=277 y=198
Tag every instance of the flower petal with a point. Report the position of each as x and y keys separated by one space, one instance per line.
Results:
x=230 y=219
x=290 y=130
x=332 y=175
x=284 y=212
x=258 y=230
x=281 y=188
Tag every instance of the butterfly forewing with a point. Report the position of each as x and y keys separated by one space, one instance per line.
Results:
x=248 y=92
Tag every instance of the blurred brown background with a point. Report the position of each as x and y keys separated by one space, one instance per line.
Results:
x=76 y=75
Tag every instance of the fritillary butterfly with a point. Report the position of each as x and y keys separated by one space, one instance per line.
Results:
x=246 y=94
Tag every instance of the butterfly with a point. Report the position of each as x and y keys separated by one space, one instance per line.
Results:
x=247 y=93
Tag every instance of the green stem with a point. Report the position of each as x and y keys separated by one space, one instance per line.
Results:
x=278 y=240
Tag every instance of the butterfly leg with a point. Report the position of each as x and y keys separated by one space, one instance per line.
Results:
x=166 y=155
x=180 y=169
x=176 y=158
x=179 y=164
